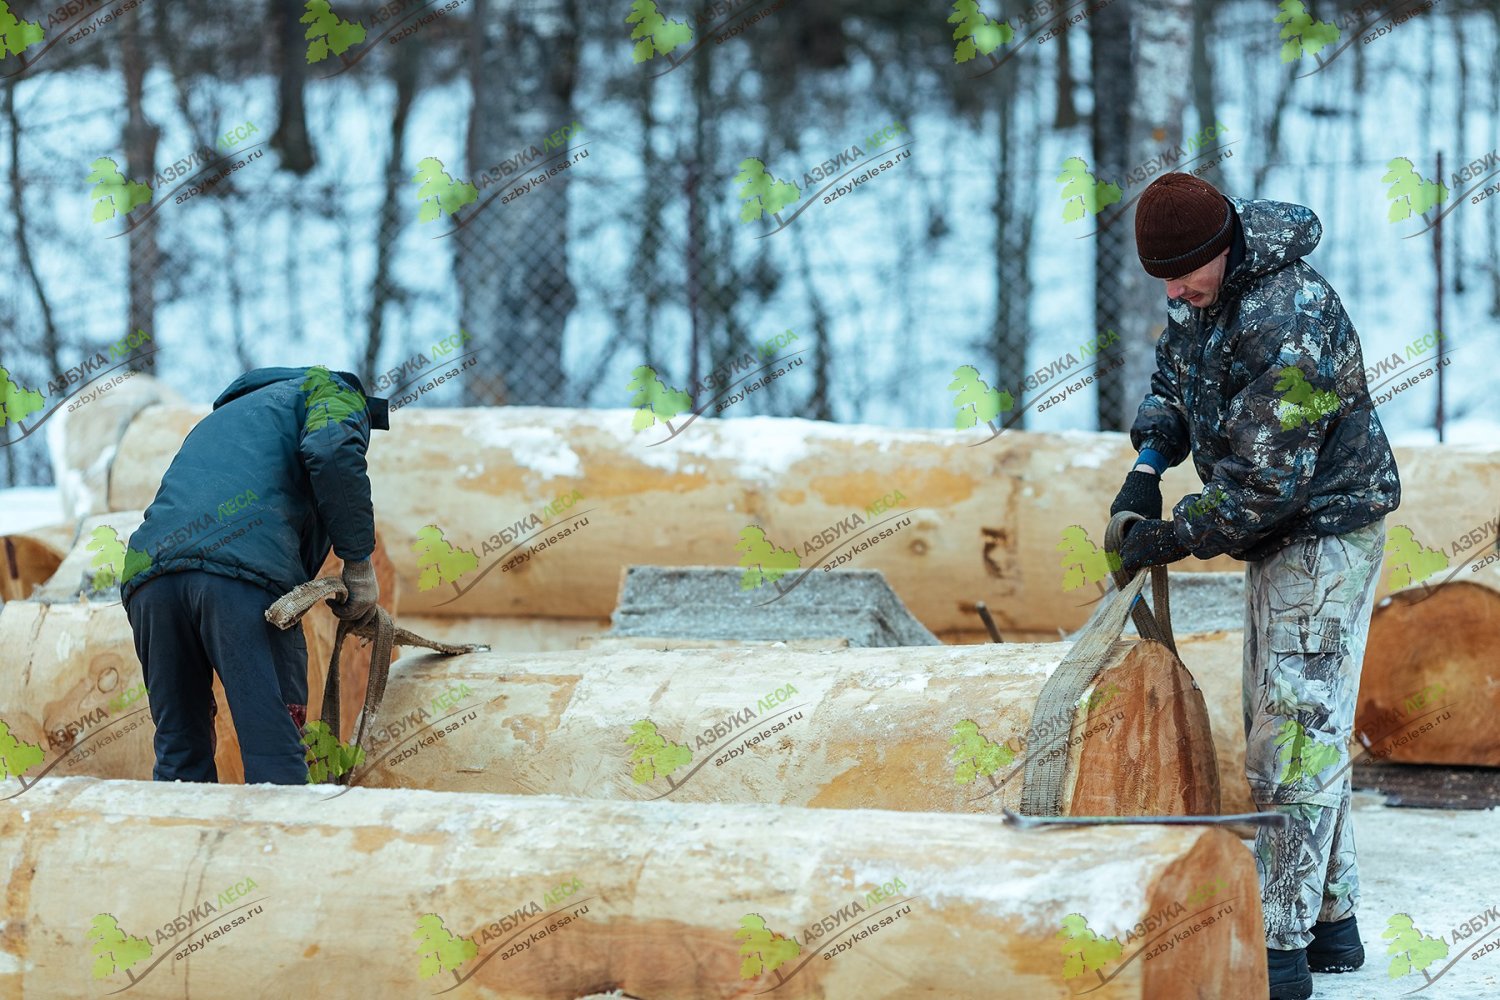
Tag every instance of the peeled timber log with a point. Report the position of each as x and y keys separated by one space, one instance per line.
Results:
x=921 y=728
x=1217 y=662
x=28 y=558
x=986 y=520
x=74 y=682
x=80 y=698
x=399 y=893
x=1428 y=694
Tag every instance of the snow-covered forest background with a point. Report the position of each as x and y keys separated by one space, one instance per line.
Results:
x=636 y=254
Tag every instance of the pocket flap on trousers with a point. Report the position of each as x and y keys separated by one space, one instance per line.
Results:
x=1306 y=634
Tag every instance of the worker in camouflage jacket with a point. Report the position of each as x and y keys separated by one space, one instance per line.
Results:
x=259 y=492
x=1261 y=380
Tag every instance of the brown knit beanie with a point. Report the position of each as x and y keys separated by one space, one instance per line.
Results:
x=1181 y=223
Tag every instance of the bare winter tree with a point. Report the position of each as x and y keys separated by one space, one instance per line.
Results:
x=290 y=140
x=1113 y=85
x=512 y=258
x=141 y=137
x=1162 y=55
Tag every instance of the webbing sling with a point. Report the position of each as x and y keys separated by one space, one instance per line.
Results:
x=380 y=629
x=1046 y=757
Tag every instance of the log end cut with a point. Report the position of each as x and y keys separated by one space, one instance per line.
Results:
x=1148 y=748
x=1427 y=694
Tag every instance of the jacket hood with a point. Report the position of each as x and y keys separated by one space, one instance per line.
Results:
x=1276 y=234
x=259 y=378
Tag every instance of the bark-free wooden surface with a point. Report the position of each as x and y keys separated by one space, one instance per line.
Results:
x=656 y=893
x=985 y=525
x=1216 y=661
x=863 y=728
x=74 y=666
x=29 y=558
x=1430 y=693
x=985 y=521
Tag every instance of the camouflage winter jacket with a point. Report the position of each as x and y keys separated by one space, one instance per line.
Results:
x=1266 y=387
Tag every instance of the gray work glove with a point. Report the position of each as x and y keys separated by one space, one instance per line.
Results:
x=364 y=591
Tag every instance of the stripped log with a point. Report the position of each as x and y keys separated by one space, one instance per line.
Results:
x=77 y=579
x=923 y=728
x=1428 y=694
x=79 y=696
x=401 y=894
x=1216 y=661
x=29 y=558
x=81 y=699
x=986 y=520
x=513 y=634
x=84 y=438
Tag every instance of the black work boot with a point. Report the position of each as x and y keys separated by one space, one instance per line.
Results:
x=1335 y=947
x=1289 y=977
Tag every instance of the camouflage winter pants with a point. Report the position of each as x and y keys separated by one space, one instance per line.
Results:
x=1307 y=615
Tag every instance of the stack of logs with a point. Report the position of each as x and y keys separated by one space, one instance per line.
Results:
x=642 y=741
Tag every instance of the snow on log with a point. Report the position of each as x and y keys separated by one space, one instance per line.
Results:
x=986 y=521
x=386 y=893
x=922 y=728
x=1428 y=694
x=83 y=440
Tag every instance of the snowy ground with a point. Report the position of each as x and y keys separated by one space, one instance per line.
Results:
x=1440 y=868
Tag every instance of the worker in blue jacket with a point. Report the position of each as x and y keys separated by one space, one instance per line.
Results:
x=260 y=491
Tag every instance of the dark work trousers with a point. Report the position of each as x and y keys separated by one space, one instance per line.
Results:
x=188 y=625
